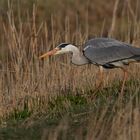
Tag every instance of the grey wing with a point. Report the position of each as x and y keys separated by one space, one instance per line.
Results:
x=105 y=51
x=104 y=42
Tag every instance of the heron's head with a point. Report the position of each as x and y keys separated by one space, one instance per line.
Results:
x=60 y=49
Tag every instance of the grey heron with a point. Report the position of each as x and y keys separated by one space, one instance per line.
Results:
x=105 y=53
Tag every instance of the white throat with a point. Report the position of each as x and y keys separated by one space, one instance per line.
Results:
x=77 y=57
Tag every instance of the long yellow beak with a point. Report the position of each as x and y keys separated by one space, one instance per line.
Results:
x=52 y=52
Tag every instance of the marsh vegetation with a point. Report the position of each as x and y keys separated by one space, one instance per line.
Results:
x=53 y=99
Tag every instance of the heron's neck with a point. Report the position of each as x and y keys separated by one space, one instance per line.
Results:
x=77 y=57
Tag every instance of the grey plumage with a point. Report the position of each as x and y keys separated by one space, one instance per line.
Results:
x=103 y=52
x=106 y=52
x=110 y=53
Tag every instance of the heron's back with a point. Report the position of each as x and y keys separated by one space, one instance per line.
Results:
x=103 y=51
x=105 y=42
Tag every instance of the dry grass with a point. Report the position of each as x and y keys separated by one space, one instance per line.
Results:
x=58 y=98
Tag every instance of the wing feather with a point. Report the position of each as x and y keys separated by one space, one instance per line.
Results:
x=102 y=51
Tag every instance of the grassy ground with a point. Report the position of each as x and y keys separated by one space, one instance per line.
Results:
x=53 y=99
x=106 y=115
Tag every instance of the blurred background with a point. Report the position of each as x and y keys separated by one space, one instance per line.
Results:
x=95 y=14
x=117 y=18
x=92 y=16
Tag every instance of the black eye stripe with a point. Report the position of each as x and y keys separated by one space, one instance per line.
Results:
x=63 y=45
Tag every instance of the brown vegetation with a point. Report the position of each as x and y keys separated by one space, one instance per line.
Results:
x=35 y=91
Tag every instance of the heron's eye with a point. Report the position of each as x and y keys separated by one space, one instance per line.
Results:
x=63 y=45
